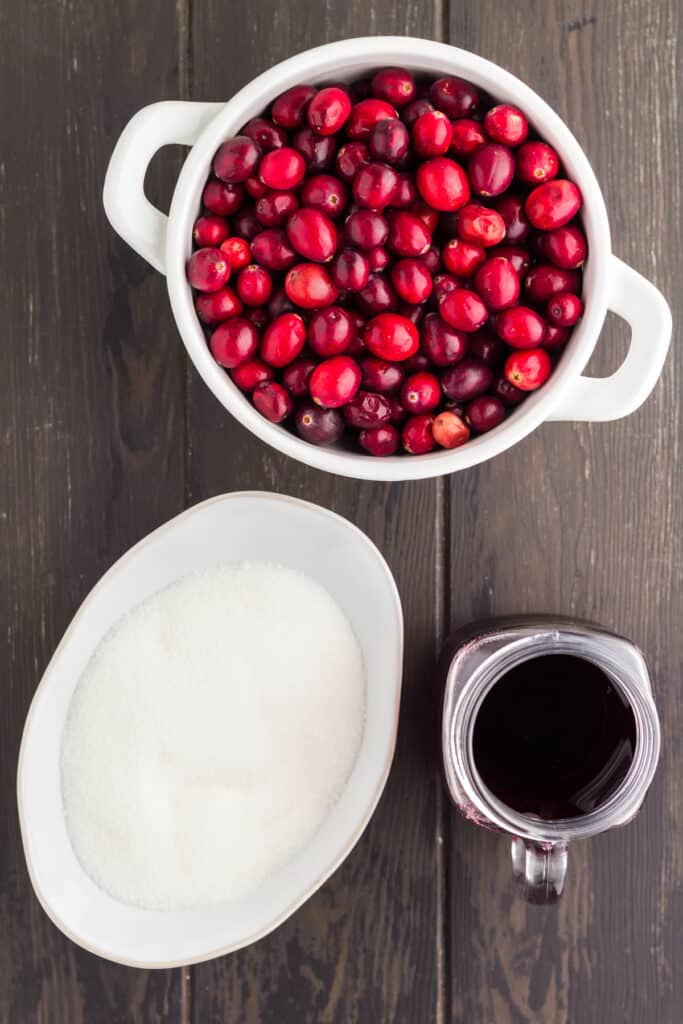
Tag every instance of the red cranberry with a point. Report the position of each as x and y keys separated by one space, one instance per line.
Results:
x=335 y=381
x=378 y=258
x=237 y=159
x=255 y=188
x=480 y=225
x=468 y=137
x=421 y=392
x=417 y=434
x=412 y=280
x=310 y=286
x=254 y=285
x=518 y=257
x=464 y=310
x=394 y=85
x=351 y=158
x=280 y=303
x=408 y=234
x=330 y=331
x=258 y=316
x=326 y=193
x=318 y=426
x=485 y=413
x=441 y=343
x=443 y=184
x=282 y=169
x=350 y=270
x=555 y=337
x=390 y=336
x=265 y=134
x=210 y=230
x=553 y=204
x=365 y=115
x=374 y=186
x=208 y=270
x=329 y=110
x=417 y=363
x=378 y=296
x=213 y=307
x=312 y=234
x=238 y=252
x=431 y=259
x=506 y=124
x=462 y=258
x=367 y=409
x=366 y=229
x=379 y=441
x=507 y=392
x=511 y=209
x=543 y=281
x=491 y=169
x=455 y=96
x=271 y=248
x=317 y=150
x=223 y=199
x=497 y=283
x=536 y=162
x=485 y=347
x=246 y=224
x=432 y=134
x=289 y=109
x=520 y=327
x=283 y=340
x=427 y=214
x=466 y=380
x=295 y=377
x=234 y=342
x=406 y=193
x=566 y=247
x=398 y=413
x=388 y=141
x=381 y=376
x=564 y=309
x=442 y=285
x=272 y=401
x=449 y=430
x=416 y=108
x=249 y=375
x=529 y=369
x=274 y=208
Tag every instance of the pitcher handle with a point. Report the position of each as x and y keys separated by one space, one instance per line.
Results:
x=539 y=869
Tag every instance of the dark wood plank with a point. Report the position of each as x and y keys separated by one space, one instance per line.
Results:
x=590 y=526
x=92 y=418
x=365 y=948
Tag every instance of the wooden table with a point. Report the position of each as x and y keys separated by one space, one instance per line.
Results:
x=107 y=432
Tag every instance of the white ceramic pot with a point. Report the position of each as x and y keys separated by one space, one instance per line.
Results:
x=165 y=242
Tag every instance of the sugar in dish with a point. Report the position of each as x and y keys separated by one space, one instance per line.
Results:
x=210 y=734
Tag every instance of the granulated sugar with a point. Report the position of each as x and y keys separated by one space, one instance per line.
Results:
x=210 y=734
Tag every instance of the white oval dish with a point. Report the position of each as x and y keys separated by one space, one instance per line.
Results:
x=229 y=528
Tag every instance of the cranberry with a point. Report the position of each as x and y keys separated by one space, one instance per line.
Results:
x=520 y=327
x=518 y=257
x=274 y=208
x=416 y=108
x=254 y=285
x=283 y=340
x=427 y=214
x=442 y=285
x=408 y=234
x=237 y=159
x=432 y=259
x=213 y=307
x=398 y=413
x=208 y=270
x=432 y=134
x=326 y=193
x=485 y=347
x=255 y=188
x=466 y=380
x=394 y=85
x=406 y=192
x=246 y=224
x=390 y=336
x=555 y=337
x=289 y=109
x=365 y=115
x=280 y=303
x=421 y=392
x=309 y=285
x=374 y=186
x=497 y=283
x=485 y=413
x=506 y=124
x=388 y=140
x=295 y=377
x=378 y=296
x=442 y=183
x=366 y=229
x=543 y=281
x=367 y=409
x=223 y=199
x=351 y=158
x=564 y=309
x=529 y=369
x=511 y=209
x=417 y=434
x=480 y=225
x=282 y=169
x=234 y=342
x=536 y=162
x=379 y=441
x=271 y=248
x=265 y=134
x=258 y=316
x=350 y=270
x=462 y=258
x=317 y=150
x=272 y=401
x=335 y=381
x=553 y=204
x=329 y=110
x=455 y=96
x=441 y=343
x=566 y=247
x=464 y=310
x=249 y=375
x=378 y=258
x=417 y=362
x=412 y=280
x=468 y=137
x=312 y=234
x=330 y=331
x=318 y=426
x=491 y=169
x=449 y=430
x=507 y=392
x=238 y=252
x=210 y=230
x=380 y=375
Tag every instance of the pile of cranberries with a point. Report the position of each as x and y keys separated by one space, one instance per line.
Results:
x=397 y=261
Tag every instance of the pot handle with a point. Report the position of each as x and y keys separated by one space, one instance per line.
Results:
x=129 y=211
x=636 y=299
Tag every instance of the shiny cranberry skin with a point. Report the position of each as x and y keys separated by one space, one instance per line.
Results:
x=350 y=159
x=213 y=307
x=237 y=159
x=416 y=108
x=441 y=343
x=282 y=169
x=464 y=310
x=411 y=312
x=408 y=234
x=390 y=336
x=443 y=284
x=536 y=163
x=367 y=409
x=379 y=441
x=289 y=109
x=283 y=340
x=350 y=270
x=564 y=309
x=280 y=303
x=366 y=229
x=326 y=193
x=246 y=224
x=310 y=286
x=507 y=392
x=295 y=377
x=485 y=347
x=312 y=234
x=329 y=111
x=480 y=225
x=210 y=230
x=412 y=281
x=365 y=115
x=529 y=369
x=566 y=247
x=374 y=186
x=468 y=137
x=466 y=380
x=380 y=375
x=417 y=436
x=208 y=270
x=272 y=401
x=462 y=258
x=406 y=193
x=506 y=124
x=335 y=381
x=450 y=430
x=250 y=374
x=330 y=331
x=223 y=199
x=497 y=283
x=518 y=257
x=255 y=188
x=378 y=258
x=265 y=134
x=553 y=204
x=454 y=96
x=417 y=363
x=254 y=285
x=271 y=249
x=543 y=281
x=491 y=169
x=317 y=150
x=520 y=327
x=388 y=141
x=511 y=209
x=393 y=85
x=398 y=413
x=431 y=134
x=421 y=392
x=378 y=296
x=258 y=316
x=274 y=208
x=555 y=337
x=443 y=184
x=432 y=259
x=234 y=342
x=317 y=425
x=427 y=214
x=485 y=413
